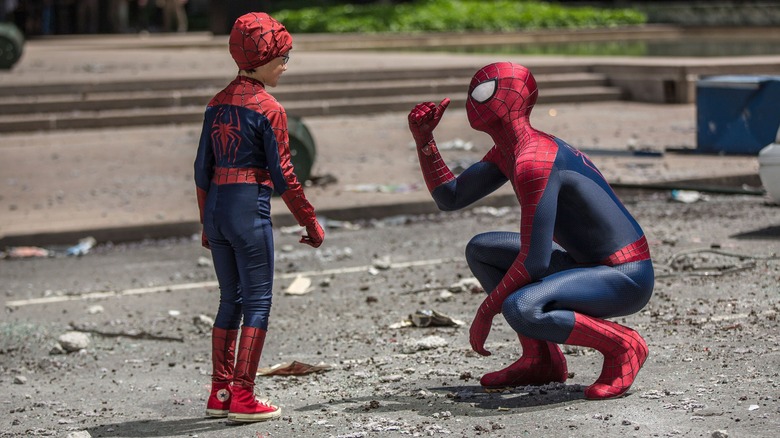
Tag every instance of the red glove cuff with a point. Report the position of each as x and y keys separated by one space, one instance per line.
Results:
x=434 y=169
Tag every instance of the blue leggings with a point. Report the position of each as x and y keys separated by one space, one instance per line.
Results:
x=545 y=308
x=237 y=221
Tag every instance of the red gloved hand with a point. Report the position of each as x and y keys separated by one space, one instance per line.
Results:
x=479 y=331
x=314 y=235
x=204 y=241
x=424 y=118
x=202 y=195
x=480 y=327
x=303 y=212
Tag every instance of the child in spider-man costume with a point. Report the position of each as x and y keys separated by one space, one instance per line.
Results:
x=580 y=256
x=243 y=156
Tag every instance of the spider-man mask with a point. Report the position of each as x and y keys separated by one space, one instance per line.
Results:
x=256 y=39
x=499 y=95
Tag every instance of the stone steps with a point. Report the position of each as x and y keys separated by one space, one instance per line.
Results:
x=153 y=102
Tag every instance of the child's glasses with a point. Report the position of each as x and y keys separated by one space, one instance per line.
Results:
x=285 y=58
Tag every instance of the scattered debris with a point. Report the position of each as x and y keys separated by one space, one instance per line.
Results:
x=74 y=341
x=299 y=286
x=703 y=262
x=292 y=229
x=134 y=334
x=321 y=180
x=81 y=248
x=334 y=224
x=470 y=284
x=391 y=378
x=444 y=296
x=687 y=196
x=411 y=346
x=95 y=309
x=24 y=252
x=334 y=254
x=432 y=318
x=456 y=144
x=492 y=211
x=293 y=368
x=427 y=318
x=382 y=263
x=382 y=188
x=203 y=323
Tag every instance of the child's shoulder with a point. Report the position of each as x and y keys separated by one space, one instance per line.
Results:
x=252 y=98
x=264 y=103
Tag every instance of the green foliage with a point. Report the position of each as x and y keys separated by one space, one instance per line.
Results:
x=453 y=16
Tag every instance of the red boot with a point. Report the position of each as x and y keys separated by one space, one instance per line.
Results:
x=623 y=349
x=223 y=354
x=542 y=362
x=244 y=406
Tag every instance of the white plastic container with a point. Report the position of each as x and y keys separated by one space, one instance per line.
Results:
x=769 y=169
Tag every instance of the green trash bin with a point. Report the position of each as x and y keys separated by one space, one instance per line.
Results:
x=11 y=44
x=301 y=148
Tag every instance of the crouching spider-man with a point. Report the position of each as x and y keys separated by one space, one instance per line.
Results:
x=579 y=257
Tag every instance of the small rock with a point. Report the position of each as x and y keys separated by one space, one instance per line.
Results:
x=20 y=380
x=79 y=434
x=93 y=310
x=74 y=341
x=57 y=349
x=720 y=434
x=203 y=323
x=426 y=343
x=205 y=262
x=382 y=263
x=391 y=378
x=466 y=285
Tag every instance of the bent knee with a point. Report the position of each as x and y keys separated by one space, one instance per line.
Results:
x=521 y=317
x=475 y=248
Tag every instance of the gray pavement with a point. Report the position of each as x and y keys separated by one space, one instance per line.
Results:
x=120 y=184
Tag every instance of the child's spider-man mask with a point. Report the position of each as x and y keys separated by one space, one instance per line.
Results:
x=256 y=39
x=500 y=94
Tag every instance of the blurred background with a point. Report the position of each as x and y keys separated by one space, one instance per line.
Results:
x=64 y=17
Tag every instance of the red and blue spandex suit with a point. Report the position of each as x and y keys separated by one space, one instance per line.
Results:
x=243 y=156
x=579 y=256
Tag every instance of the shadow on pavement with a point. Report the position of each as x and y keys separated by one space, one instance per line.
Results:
x=460 y=401
x=761 y=233
x=160 y=427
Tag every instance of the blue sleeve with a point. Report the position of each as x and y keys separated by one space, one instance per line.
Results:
x=476 y=182
x=204 y=159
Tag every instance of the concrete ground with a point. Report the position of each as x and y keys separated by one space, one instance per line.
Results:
x=712 y=324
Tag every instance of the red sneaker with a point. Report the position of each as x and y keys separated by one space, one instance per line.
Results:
x=218 y=404
x=245 y=407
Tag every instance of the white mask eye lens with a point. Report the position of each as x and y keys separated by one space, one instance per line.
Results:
x=484 y=91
